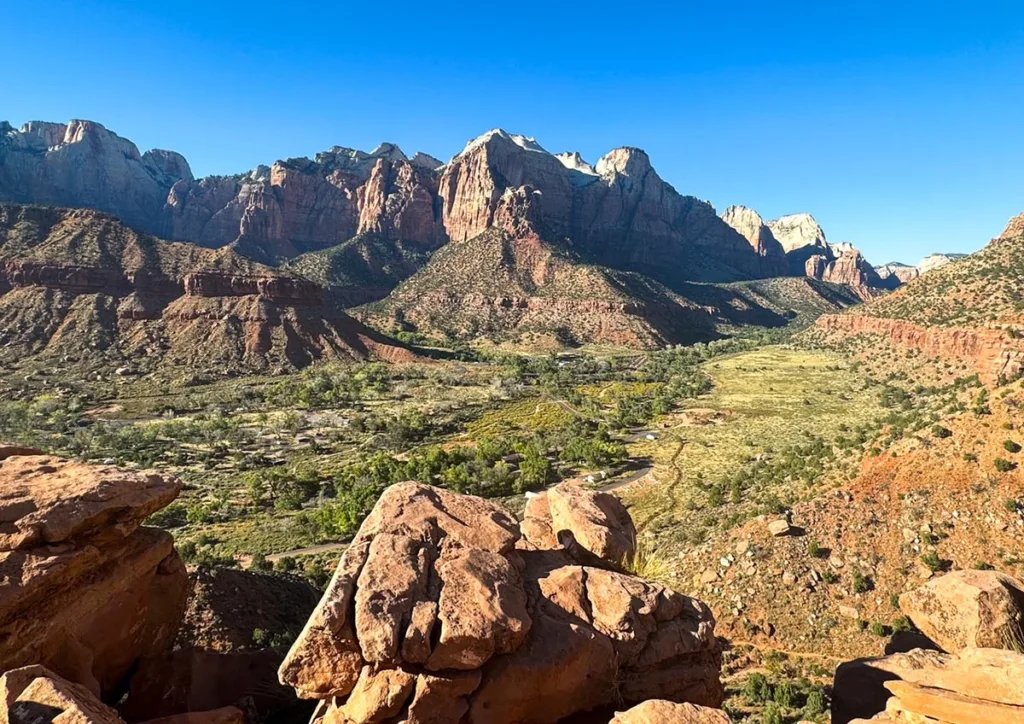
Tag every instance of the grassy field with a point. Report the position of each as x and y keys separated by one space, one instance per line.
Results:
x=755 y=442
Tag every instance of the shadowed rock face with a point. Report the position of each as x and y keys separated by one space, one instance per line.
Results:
x=440 y=609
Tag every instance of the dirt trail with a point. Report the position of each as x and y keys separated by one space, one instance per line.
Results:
x=311 y=550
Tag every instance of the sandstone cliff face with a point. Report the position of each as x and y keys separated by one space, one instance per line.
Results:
x=894 y=274
x=88 y=591
x=84 y=164
x=797 y=231
x=992 y=351
x=619 y=213
x=749 y=224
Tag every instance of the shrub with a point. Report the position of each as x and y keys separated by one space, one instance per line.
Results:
x=879 y=629
x=902 y=624
x=757 y=689
x=940 y=431
x=861 y=583
x=784 y=695
x=932 y=560
x=772 y=714
x=816 y=704
x=814 y=549
x=1011 y=447
x=285 y=564
x=260 y=563
x=1004 y=466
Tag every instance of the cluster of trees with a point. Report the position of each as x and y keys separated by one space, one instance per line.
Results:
x=493 y=467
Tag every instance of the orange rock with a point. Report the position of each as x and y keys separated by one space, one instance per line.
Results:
x=597 y=521
x=513 y=634
x=969 y=609
x=89 y=592
x=948 y=706
x=658 y=711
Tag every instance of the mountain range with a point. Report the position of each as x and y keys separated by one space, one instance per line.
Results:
x=505 y=239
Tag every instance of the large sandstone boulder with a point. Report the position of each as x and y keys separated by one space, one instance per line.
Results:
x=924 y=682
x=435 y=612
x=659 y=711
x=237 y=628
x=983 y=609
x=88 y=592
x=569 y=514
x=35 y=695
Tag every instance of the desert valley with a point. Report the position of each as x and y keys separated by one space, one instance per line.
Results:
x=515 y=438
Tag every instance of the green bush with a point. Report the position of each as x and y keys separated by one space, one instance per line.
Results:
x=816 y=704
x=1004 y=466
x=1011 y=447
x=940 y=431
x=772 y=714
x=757 y=689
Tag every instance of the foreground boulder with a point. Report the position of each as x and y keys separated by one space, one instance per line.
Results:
x=658 y=711
x=35 y=695
x=969 y=609
x=88 y=591
x=980 y=683
x=571 y=515
x=237 y=628
x=435 y=614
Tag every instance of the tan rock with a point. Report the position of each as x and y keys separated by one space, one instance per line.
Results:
x=44 y=696
x=510 y=634
x=895 y=710
x=89 y=592
x=657 y=711
x=780 y=528
x=597 y=521
x=858 y=690
x=948 y=706
x=377 y=695
x=983 y=609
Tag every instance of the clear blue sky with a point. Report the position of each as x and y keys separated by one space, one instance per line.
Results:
x=898 y=124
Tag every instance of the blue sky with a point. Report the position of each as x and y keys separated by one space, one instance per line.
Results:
x=898 y=125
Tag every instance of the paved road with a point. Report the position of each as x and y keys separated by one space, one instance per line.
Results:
x=628 y=480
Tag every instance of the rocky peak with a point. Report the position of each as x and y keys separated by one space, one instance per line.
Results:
x=749 y=224
x=934 y=261
x=1014 y=228
x=574 y=162
x=501 y=136
x=625 y=161
x=48 y=134
x=425 y=160
x=170 y=164
x=896 y=273
x=797 y=231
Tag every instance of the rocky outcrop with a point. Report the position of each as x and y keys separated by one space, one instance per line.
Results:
x=89 y=591
x=977 y=609
x=440 y=610
x=853 y=270
x=895 y=274
x=749 y=224
x=397 y=202
x=569 y=515
x=798 y=231
x=34 y=694
x=934 y=261
x=1014 y=228
x=657 y=711
x=974 y=686
x=993 y=352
